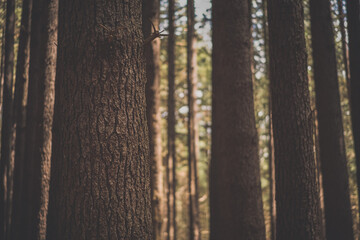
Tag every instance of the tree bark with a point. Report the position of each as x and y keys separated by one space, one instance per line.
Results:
x=151 y=17
x=100 y=178
x=353 y=18
x=344 y=46
x=40 y=108
x=193 y=128
x=20 y=99
x=297 y=191
x=6 y=162
x=171 y=158
x=338 y=215
x=235 y=192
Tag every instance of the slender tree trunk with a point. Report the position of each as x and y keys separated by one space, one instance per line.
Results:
x=338 y=215
x=6 y=163
x=100 y=178
x=151 y=17
x=297 y=191
x=39 y=117
x=2 y=70
x=353 y=17
x=235 y=192
x=272 y=201
x=344 y=46
x=21 y=87
x=193 y=128
x=171 y=159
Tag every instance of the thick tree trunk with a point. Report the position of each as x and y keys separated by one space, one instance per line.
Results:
x=193 y=128
x=39 y=117
x=235 y=192
x=338 y=215
x=353 y=17
x=100 y=178
x=171 y=158
x=297 y=192
x=6 y=161
x=151 y=17
x=21 y=87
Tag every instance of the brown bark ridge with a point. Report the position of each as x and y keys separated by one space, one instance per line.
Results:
x=193 y=128
x=297 y=191
x=6 y=161
x=151 y=19
x=338 y=215
x=100 y=178
x=353 y=18
x=236 y=210
x=39 y=117
x=21 y=87
x=171 y=121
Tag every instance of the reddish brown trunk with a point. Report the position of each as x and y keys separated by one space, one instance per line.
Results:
x=171 y=158
x=235 y=192
x=6 y=163
x=151 y=18
x=193 y=129
x=21 y=87
x=297 y=192
x=100 y=175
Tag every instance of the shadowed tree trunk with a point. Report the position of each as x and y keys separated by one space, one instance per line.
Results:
x=39 y=117
x=335 y=177
x=100 y=178
x=21 y=87
x=6 y=161
x=193 y=128
x=353 y=18
x=171 y=158
x=297 y=192
x=151 y=15
x=235 y=192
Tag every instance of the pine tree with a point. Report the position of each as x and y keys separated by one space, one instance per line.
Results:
x=236 y=210
x=100 y=178
x=297 y=192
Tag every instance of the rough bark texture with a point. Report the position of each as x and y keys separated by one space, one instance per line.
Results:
x=41 y=94
x=171 y=158
x=235 y=193
x=6 y=161
x=20 y=99
x=335 y=177
x=353 y=17
x=193 y=128
x=151 y=15
x=100 y=178
x=297 y=192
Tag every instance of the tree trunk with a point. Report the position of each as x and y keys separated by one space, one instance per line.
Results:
x=297 y=191
x=353 y=17
x=21 y=87
x=344 y=47
x=272 y=201
x=193 y=128
x=100 y=178
x=43 y=48
x=235 y=192
x=338 y=215
x=151 y=17
x=171 y=158
x=6 y=163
